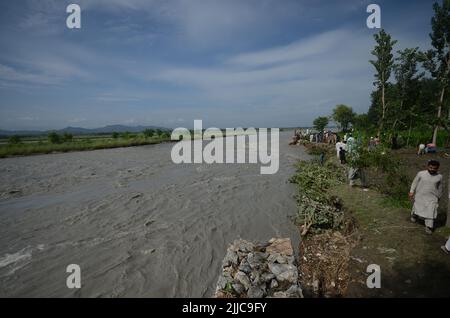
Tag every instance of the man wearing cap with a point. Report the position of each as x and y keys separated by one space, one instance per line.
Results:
x=426 y=190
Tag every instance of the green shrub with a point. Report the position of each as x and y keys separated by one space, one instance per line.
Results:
x=14 y=140
x=148 y=133
x=54 y=138
x=67 y=137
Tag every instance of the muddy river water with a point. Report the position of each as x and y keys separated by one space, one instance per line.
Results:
x=137 y=224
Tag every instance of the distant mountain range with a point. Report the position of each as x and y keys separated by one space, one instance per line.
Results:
x=82 y=131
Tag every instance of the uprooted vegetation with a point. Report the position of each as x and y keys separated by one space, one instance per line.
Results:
x=328 y=232
x=317 y=210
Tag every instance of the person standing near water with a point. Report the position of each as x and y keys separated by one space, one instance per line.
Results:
x=426 y=190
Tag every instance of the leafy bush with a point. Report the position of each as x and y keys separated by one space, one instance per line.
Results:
x=67 y=137
x=54 y=138
x=125 y=135
x=165 y=135
x=316 y=209
x=14 y=140
x=148 y=133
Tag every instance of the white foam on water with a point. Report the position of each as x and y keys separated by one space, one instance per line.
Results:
x=20 y=256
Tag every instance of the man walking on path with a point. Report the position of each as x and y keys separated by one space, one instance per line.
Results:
x=426 y=190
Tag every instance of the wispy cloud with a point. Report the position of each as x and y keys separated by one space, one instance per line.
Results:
x=314 y=45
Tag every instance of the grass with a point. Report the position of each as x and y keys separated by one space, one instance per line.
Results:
x=411 y=262
x=85 y=144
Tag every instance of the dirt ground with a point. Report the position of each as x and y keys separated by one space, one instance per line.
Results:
x=412 y=263
x=379 y=231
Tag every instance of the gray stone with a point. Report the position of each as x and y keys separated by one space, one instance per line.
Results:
x=256 y=260
x=223 y=281
x=273 y=284
x=267 y=277
x=256 y=278
x=243 y=279
x=238 y=288
x=280 y=294
x=272 y=258
x=245 y=267
x=244 y=246
x=231 y=258
x=281 y=260
x=256 y=292
x=294 y=291
x=284 y=272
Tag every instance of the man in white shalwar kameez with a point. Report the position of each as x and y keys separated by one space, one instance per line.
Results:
x=426 y=190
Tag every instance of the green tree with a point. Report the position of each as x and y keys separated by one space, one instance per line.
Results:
x=67 y=137
x=361 y=122
x=383 y=66
x=14 y=140
x=438 y=58
x=54 y=138
x=148 y=133
x=320 y=123
x=125 y=135
x=158 y=132
x=407 y=87
x=165 y=135
x=115 y=135
x=344 y=116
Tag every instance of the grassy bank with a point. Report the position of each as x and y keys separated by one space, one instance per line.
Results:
x=373 y=228
x=45 y=147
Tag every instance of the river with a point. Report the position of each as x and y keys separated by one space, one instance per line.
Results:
x=137 y=224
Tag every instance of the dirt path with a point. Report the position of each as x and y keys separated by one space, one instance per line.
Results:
x=412 y=263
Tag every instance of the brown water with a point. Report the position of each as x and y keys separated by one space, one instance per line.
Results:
x=137 y=224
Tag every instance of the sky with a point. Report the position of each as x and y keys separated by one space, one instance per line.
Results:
x=230 y=63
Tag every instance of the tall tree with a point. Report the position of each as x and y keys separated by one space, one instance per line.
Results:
x=361 y=122
x=344 y=116
x=438 y=59
x=320 y=123
x=408 y=81
x=383 y=65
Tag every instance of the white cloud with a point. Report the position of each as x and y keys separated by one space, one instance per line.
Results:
x=8 y=74
x=317 y=44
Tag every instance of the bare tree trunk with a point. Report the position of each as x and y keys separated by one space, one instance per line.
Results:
x=409 y=133
x=441 y=102
x=383 y=108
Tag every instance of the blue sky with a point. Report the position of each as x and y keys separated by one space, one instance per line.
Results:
x=261 y=63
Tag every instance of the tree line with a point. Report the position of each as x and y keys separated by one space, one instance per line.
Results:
x=411 y=87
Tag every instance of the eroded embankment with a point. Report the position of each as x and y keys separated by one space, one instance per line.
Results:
x=328 y=230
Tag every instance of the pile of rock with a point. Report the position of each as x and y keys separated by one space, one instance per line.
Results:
x=257 y=271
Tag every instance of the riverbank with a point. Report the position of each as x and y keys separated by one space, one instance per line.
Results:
x=86 y=144
x=333 y=261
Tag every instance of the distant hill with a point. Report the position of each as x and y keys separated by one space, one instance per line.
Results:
x=81 y=131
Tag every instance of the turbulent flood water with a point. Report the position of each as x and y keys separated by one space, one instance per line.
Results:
x=137 y=224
